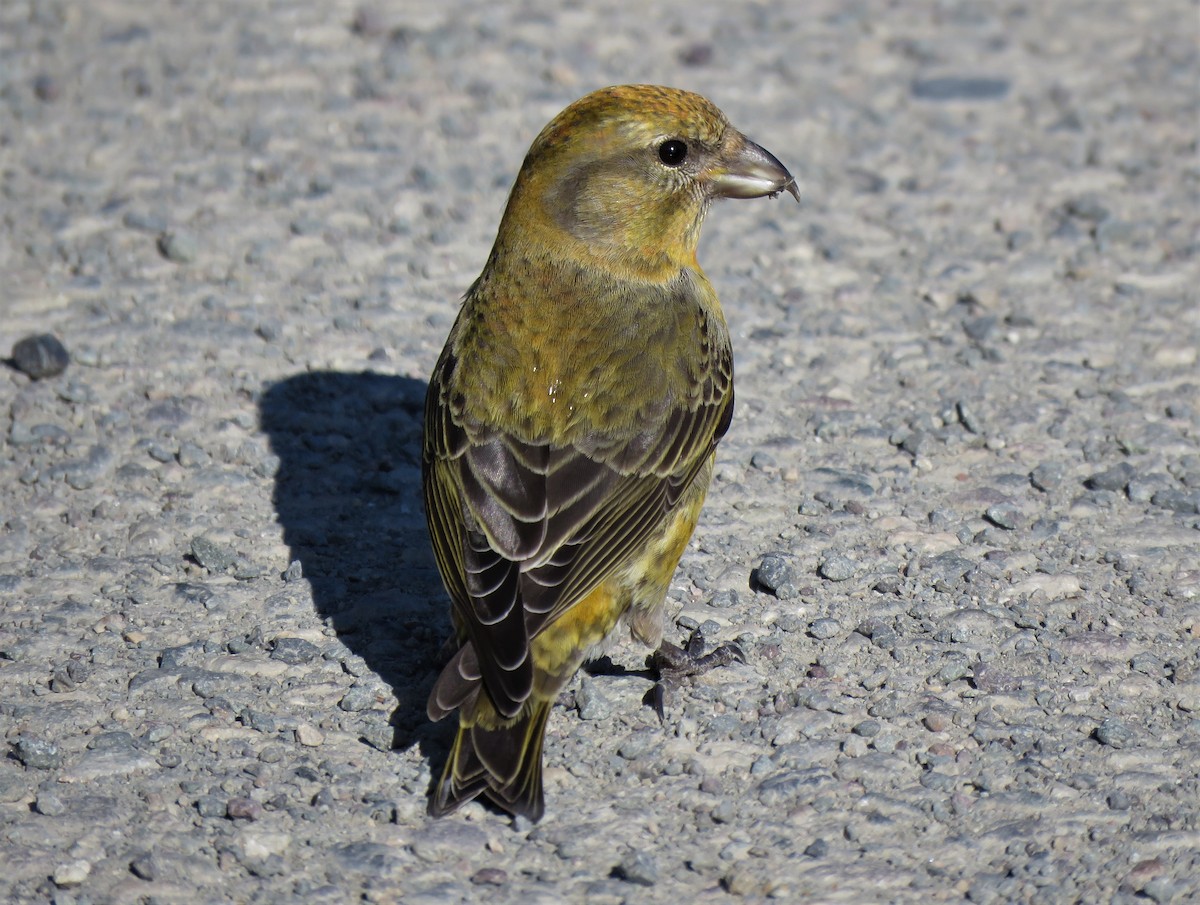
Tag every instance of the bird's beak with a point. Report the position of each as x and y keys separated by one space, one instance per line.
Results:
x=751 y=171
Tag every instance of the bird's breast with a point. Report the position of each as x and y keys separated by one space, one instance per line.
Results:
x=591 y=357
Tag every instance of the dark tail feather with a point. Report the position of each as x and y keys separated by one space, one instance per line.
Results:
x=503 y=764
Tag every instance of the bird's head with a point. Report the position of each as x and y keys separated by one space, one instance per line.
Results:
x=627 y=174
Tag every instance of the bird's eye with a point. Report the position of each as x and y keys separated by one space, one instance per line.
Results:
x=673 y=152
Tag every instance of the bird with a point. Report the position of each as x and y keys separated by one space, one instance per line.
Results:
x=572 y=418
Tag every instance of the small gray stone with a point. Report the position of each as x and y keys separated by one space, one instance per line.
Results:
x=357 y=698
x=180 y=247
x=867 y=728
x=980 y=328
x=145 y=867
x=723 y=599
x=294 y=571
x=47 y=88
x=639 y=868
x=72 y=873
x=637 y=744
x=439 y=841
x=145 y=221
x=1177 y=501
x=211 y=806
x=818 y=848
x=722 y=812
x=1004 y=515
x=1164 y=890
x=955 y=668
x=1047 y=476
x=591 y=700
x=825 y=628
x=49 y=804
x=960 y=88
x=490 y=876
x=774 y=572
x=294 y=651
x=37 y=753
x=784 y=787
x=968 y=418
x=239 y=808
x=40 y=356
x=1087 y=207
x=213 y=556
x=939 y=782
x=837 y=568
x=118 y=739
x=1115 y=478
x=1114 y=733
x=192 y=455
x=763 y=461
x=886 y=708
x=190 y=654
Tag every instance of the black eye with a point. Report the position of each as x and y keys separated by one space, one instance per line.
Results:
x=673 y=152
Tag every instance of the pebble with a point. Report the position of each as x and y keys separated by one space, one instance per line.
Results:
x=145 y=867
x=40 y=356
x=591 y=700
x=824 y=628
x=1048 y=476
x=638 y=868
x=838 y=568
x=49 y=804
x=723 y=812
x=1115 y=733
x=243 y=809
x=1115 y=478
x=37 y=753
x=1187 y=503
x=783 y=788
x=294 y=651
x=192 y=456
x=213 y=556
x=818 y=848
x=1004 y=515
x=776 y=574
x=309 y=736
x=441 y=841
x=72 y=873
x=47 y=88
x=178 y=246
x=104 y=763
x=726 y=599
x=357 y=698
x=855 y=746
x=960 y=88
x=490 y=876
x=638 y=744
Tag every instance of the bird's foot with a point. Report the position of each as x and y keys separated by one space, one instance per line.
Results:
x=674 y=663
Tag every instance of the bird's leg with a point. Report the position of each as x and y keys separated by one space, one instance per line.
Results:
x=674 y=663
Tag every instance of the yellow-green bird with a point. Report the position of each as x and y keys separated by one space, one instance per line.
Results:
x=572 y=419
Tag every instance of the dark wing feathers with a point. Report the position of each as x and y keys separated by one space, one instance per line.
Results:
x=522 y=531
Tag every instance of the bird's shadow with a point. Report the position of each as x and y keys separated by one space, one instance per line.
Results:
x=348 y=495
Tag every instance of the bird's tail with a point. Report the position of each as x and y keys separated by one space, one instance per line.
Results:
x=496 y=757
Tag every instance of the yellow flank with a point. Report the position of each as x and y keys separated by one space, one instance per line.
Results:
x=572 y=418
x=559 y=648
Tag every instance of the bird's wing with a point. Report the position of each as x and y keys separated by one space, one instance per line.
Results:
x=522 y=531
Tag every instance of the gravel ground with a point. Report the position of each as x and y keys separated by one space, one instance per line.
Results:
x=956 y=522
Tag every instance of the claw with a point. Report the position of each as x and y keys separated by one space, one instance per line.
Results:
x=656 y=698
x=674 y=663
